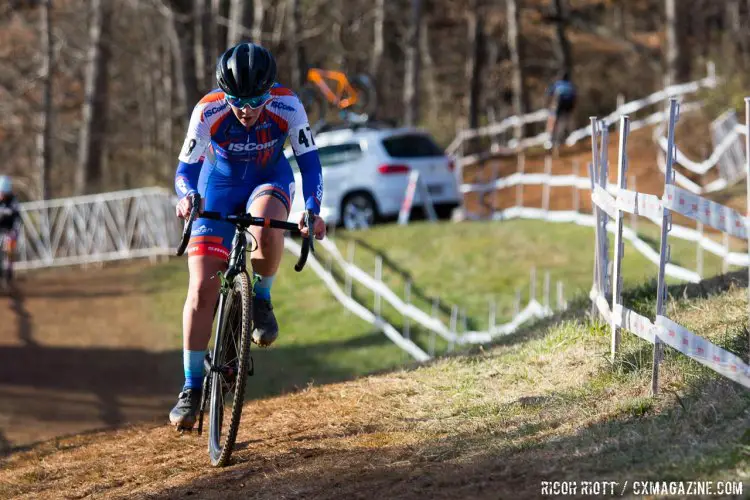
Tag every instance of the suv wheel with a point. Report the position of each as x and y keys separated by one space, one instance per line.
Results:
x=358 y=211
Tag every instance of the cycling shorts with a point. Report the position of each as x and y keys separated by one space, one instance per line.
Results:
x=231 y=190
x=565 y=104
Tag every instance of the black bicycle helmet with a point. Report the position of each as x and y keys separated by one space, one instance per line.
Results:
x=246 y=70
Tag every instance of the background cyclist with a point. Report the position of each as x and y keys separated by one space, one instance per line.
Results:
x=10 y=218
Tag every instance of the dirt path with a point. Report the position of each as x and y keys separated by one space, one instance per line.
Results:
x=77 y=352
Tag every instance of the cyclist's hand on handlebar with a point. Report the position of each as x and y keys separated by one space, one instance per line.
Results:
x=184 y=206
x=319 y=226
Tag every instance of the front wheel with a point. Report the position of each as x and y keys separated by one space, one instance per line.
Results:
x=231 y=365
x=5 y=266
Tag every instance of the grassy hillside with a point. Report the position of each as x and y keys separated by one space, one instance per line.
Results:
x=469 y=263
x=545 y=405
x=321 y=342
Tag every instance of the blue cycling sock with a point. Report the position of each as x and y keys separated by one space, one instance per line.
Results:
x=263 y=286
x=192 y=362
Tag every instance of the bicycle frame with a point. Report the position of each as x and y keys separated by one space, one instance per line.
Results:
x=343 y=97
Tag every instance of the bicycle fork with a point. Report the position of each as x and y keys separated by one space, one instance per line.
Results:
x=208 y=364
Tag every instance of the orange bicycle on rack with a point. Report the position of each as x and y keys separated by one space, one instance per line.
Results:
x=354 y=99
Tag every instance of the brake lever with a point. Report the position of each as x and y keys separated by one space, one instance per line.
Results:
x=310 y=223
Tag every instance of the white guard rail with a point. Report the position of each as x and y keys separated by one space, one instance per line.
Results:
x=97 y=228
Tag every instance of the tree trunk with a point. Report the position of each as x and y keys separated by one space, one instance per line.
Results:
x=94 y=126
x=184 y=29
x=46 y=72
x=474 y=61
x=164 y=106
x=279 y=25
x=295 y=48
x=378 y=44
x=737 y=41
x=220 y=10
x=565 y=55
x=429 y=72
x=258 y=14
x=515 y=45
x=237 y=16
x=411 y=76
x=673 y=47
x=209 y=41
x=678 y=57
x=201 y=70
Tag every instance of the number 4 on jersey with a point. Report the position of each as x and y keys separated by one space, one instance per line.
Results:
x=305 y=139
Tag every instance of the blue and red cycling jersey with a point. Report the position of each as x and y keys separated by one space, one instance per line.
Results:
x=230 y=165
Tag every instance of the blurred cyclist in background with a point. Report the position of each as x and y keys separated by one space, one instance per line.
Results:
x=561 y=101
x=9 y=220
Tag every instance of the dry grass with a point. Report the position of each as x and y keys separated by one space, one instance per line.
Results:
x=491 y=425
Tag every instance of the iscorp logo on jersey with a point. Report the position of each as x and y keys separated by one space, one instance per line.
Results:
x=212 y=111
x=251 y=146
x=281 y=105
x=319 y=191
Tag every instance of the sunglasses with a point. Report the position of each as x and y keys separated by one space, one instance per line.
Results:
x=253 y=102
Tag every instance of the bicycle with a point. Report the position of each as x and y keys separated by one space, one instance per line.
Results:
x=6 y=254
x=229 y=363
x=355 y=99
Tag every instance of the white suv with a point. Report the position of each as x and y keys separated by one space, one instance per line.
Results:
x=366 y=172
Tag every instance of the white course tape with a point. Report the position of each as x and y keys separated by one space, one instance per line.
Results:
x=389 y=331
x=708 y=212
x=646 y=205
x=696 y=347
x=533 y=310
x=604 y=200
x=531 y=180
x=704 y=166
x=680 y=179
x=634 y=322
x=601 y=304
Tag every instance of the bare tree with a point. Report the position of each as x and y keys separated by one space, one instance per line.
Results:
x=182 y=39
x=429 y=71
x=673 y=46
x=258 y=14
x=377 y=43
x=237 y=9
x=94 y=124
x=46 y=72
x=474 y=41
x=278 y=30
x=737 y=41
x=219 y=10
x=678 y=57
x=200 y=9
x=565 y=55
x=515 y=45
x=296 y=50
x=411 y=76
